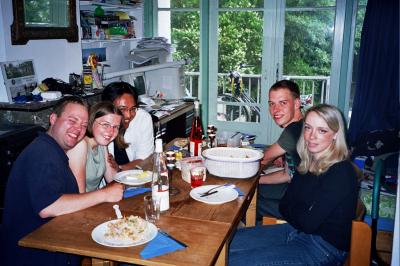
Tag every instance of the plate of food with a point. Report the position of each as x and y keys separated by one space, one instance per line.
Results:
x=133 y=177
x=126 y=232
x=181 y=143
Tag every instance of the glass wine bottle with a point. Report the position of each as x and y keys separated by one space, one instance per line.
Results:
x=196 y=134
x=160 y=182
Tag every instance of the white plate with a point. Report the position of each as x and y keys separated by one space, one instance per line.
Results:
x=133 y=177
x=222 y=196
x=99 y=231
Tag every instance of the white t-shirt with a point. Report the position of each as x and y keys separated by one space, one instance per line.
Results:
x=139 y=136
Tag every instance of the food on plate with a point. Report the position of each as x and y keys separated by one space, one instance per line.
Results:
x=141 y=175
x=127 y=228
x=181 y=143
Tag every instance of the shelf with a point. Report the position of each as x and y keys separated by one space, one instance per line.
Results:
x=86 y=41
x=89 y=5
x=101 y=43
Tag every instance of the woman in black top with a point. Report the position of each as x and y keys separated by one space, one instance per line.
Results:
x=318 y=206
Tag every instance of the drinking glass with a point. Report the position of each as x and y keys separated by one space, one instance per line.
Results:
x=151 y=208
x=197 y=176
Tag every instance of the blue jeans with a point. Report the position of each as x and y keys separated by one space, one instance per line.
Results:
x=268 y=198
x=281 y=244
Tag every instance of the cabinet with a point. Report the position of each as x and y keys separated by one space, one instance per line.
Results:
x=177 y=124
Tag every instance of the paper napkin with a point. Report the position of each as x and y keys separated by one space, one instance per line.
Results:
x=160 y=245
x=235 y=188
x=130 y=192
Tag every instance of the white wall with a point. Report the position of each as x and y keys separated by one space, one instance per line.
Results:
x=396 y=234
x=52 y=58
x=2 y=43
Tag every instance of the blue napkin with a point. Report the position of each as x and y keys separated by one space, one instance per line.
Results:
x=160 y=245
x=236 y=188
x=239 y=191
x=174 y=148
x=130 y=192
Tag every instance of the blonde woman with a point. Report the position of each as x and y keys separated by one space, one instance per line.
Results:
x=319 y=204
x=89 y=159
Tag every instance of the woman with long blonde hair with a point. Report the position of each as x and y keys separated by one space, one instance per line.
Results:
x=319 y=204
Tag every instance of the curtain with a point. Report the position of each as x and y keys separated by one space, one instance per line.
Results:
x=376 y=101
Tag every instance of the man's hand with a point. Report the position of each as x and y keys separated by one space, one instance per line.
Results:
x=113 y=192
x=279 y=162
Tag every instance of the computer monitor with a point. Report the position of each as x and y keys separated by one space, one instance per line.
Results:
x=137 y=80
x=19 y=79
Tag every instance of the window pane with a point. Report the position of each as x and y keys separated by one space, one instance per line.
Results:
x=45 y=13
x=226 y=112
x=183 y=31
x=308 y=52
x=310 y=3
x=186 y=37
x=241 y=3
x=178 y=3
x=239 y=64
x=357 y=39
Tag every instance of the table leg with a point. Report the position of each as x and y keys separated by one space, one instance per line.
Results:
x=100 y=262
x=251 y=211
x=222 y=258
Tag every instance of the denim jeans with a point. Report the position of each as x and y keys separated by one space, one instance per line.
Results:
x=268 y=198
x=281 y=245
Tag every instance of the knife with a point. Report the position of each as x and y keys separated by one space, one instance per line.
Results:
x=170 y=237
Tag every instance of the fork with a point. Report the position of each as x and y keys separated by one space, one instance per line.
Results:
x=211 y=189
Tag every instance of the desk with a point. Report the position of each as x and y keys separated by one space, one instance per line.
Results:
x=206 y=229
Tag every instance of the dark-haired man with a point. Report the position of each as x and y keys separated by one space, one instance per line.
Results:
x=284 y=107
x=41 y=186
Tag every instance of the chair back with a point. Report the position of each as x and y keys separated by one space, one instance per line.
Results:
x=360 y=247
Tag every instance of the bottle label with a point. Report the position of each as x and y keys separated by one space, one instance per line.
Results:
x=195 y=148
x=163 y=195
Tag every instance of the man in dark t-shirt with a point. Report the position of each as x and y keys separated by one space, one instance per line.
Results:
x=41 y=186
x=284 y=107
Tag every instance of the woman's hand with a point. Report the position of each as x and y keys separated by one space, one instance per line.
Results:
x=112 y=162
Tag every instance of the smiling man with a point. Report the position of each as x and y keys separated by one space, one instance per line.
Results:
x=284 y=107
x=41 y=186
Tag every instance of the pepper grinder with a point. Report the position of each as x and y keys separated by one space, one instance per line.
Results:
x=211 y=132
x=170 y=161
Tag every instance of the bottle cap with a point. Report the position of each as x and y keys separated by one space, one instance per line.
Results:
x=158 y=146
x=196 y=104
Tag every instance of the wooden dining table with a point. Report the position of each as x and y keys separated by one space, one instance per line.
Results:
x=206 y=229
